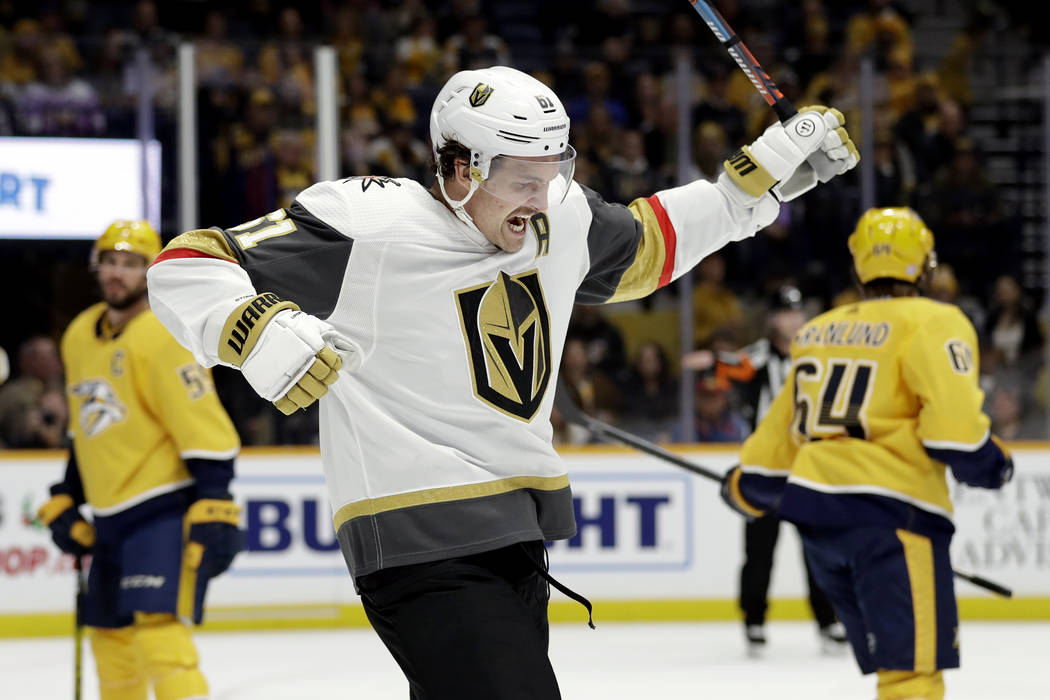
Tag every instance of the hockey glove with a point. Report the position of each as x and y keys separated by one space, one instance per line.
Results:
x=789 y=159
x=1006 y=469
x=990 y=467
x=71 y=533
x=289 y=357
x=730 y=492
x=212 y=536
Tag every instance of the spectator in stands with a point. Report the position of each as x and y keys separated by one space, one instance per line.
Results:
x=881 y=28
x=1012 y=326
x=593 y=391
x=894 y=171
x=145 y=25
x=716 y=420
x=346 y=37
x=398 y=153
x=602 y=340
x=966 y=211
x=1013 y=416
x=53 y=30
x=596 y=85
x=474 y=47
x=651 y=395
x=56 y=103
x=944 y=287
x=900 y=84
x=286 y=66
x=710 y=148
x=419 y=52
x=715 y=105
x=18 y=61
x=955 y=68
x=392 y=101
x=714 y=304
x=219 y=60
x=602 y=136
x=360 y=125
x=816 y=53
x=917 y=126
x=629 y=173
x=293 y=168
x=839 y=84
x=253 y=183
x=22 y=403
x=46 y=422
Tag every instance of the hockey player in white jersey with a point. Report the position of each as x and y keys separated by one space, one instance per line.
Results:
x=432 y=322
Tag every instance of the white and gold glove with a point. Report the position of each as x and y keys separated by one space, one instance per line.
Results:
x=288 y=357
x=789 y=159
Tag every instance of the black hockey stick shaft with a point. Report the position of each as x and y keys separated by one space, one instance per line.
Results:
x=573 y=414
x=992 y=586
x=78 y=627
x=745 y=59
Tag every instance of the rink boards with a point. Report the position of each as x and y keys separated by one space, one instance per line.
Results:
x=654 y=543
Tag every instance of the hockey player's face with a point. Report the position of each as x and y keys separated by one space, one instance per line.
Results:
x=504 y=223
x=515 y=191
x=122 y=278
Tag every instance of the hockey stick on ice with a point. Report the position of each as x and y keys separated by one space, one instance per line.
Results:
x=745 y=59
x=78 y=627
x=572 y=413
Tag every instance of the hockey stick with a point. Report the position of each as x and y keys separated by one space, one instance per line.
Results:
x=982 y=582
x=745 y=59
x=78 y=628
x=572 y=413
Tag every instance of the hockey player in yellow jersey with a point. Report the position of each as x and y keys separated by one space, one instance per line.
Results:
x=881 y=400
x=152 y=456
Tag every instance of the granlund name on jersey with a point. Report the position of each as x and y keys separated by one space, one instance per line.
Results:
x=440 y=443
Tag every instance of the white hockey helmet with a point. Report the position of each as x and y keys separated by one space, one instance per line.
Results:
x=505 y=117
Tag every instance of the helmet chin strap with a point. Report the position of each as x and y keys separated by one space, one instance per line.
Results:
x=457 y=205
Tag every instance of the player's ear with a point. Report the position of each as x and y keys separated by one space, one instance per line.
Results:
x=462 y=175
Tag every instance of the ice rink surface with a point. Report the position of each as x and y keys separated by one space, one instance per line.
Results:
x=1001 y=661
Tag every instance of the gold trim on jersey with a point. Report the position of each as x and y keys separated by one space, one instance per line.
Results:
x=918 y=555
x=445 y=494
x=204 y=240
x=245 y=325
x=643 y=276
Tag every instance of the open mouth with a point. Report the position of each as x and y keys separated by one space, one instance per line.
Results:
x=516 y=224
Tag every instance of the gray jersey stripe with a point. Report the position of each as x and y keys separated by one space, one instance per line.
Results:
x=612 y=242
x=305 y=266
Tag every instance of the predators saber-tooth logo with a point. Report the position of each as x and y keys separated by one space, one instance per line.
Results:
x=100 y=408
x=506 y=327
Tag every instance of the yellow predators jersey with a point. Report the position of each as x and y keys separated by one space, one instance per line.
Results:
x=881 y=395
x=139 y=404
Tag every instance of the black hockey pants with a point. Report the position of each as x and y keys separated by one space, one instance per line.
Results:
x=760 y=540
x=470 y=628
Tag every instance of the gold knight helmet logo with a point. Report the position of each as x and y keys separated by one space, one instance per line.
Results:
x=506 y=327
x=480 y=95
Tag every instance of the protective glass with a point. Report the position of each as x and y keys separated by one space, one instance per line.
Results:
x=540 y=182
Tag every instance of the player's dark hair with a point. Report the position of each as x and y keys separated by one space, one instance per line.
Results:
x=889 y=287
x=447 y=156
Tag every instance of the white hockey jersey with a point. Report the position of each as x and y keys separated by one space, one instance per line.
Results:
x=439 y=445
